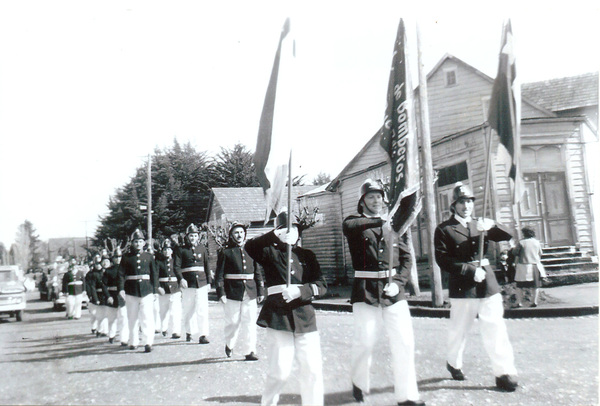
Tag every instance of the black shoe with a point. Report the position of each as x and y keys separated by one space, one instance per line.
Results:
x=147 y=348
x=175 y=336
x=507 y=383
x=123 y=344
x=111 y=340
x=164 y=333
x=357 y=393
x=94 y=331
x=457 y=374
x=251 y=357
x=203 y=340
x=97 y=334
x=533 y=305
x=157 y=331
x=132 y=347
x=228 y=351
x=188 y=337
x=411 y=403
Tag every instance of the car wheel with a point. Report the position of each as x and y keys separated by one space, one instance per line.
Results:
x=19 y=315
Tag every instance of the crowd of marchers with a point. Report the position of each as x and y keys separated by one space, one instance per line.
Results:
x=137 y=292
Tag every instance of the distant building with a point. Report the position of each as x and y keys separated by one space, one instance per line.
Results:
x=65 y=247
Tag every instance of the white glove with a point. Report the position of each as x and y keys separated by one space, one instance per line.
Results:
x=290 y=237
x=183 y=284
x=479 y=275
x=223 y=299
x=290 y=293
x=161 y=290
x=261 y=299
x=485 y=224
x=122 y=294
x=110 y=300
x=391 y=289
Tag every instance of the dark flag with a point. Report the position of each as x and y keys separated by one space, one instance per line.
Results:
x=271 y=157
x=399 y=140
x=505 y=110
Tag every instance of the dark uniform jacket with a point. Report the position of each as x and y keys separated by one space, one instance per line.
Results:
x=166 y=274
x=97 y=292
x=232 y=261
x=457 y=252
x=187 y=257
x=370 y=252
x=73 y=283
x=111 y=281
x=299 y=315
x=134 y=265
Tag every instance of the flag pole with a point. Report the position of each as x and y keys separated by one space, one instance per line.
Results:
x=149 y=206
x=289 y=221
x=485 y=188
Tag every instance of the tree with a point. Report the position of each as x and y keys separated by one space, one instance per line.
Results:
x=26 y=253
x=234 y=168
x=321 y=179
x=3 y=254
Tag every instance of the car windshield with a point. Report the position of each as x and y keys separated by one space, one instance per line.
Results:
x=7 y=276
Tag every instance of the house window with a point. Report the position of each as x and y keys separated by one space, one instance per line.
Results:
x=447 y=178
x=450 y=76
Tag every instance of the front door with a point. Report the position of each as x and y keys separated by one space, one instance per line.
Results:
x=545 y=207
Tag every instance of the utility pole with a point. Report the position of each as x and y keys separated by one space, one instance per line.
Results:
x=437 y=297
x=149 y=185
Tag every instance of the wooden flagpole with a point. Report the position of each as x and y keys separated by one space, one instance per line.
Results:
x=149 y=206
x=488 y=165
x=289 y=221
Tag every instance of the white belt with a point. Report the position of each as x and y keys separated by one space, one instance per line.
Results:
x=112 y=288
x=76 y=283
x=247 y=276
x=273 y=290
x=169 y=279
x=193 y=269
x=99 y=290
x=374 y=274
x=134 y=277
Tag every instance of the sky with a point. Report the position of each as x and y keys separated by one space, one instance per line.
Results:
x=89 y=89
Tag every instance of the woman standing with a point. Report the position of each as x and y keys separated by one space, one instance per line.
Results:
x=528 y=254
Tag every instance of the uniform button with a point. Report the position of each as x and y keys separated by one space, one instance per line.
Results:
x=381 y=250
x=293 y=272
x=244 y=266
x=139 y=260
x=474 y=243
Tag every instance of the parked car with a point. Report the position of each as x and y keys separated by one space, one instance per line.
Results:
x=12 y=292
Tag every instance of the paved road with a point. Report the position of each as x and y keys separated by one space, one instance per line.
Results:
x=50 y=360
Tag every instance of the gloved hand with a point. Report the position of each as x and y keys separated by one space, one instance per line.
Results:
x=110 y=301
x=161 y=290
x=183 y=284
x=479 y=275
x=391 y=289
x=485 y=224
x=290 y=293
x=260 y=299
x=223 y=299
x=290 y=237
x=122 y=294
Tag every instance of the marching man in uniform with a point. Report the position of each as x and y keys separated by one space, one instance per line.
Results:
x=122 y=323
x=170 y=295
x=73 y=284
x=239 y=283
x=288 y=313
x=474 y=291
x=138 y=283
x=376 y=302
x=93 y=282
x=110 y=280
x=193 y=274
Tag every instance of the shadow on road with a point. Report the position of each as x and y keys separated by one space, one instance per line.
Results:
x=142 y=367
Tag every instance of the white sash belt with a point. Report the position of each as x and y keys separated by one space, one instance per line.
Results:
x=112 y=288
x=247 y=276
x=169 y=279
x=193 y=269
x=273 y=290
x=373 y=274
x=135 y=277
x=76 y=283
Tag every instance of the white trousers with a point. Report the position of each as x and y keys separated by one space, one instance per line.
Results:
x=73 y=305
x=140 y=310
x=195 y=310
x=282 y=348
x=157 y=319
x=170 y=312
x=240 y=317
x=93 y=315
x=111 y=314
x=101 y=315
x=123 y=324
x=493 y=332
x=396 y=320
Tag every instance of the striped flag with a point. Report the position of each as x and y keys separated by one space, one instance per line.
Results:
x=399 y=140
x=273 y=147
x=504 y=115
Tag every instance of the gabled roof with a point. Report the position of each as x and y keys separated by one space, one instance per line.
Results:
x=564 y=93
x=247 y=204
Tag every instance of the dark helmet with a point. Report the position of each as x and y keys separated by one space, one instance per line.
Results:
x=137 y=235
x=282 y=219
x=235 y=225
x=166 y=244
x=461 y=192
x=368 y=186
x=192 y=229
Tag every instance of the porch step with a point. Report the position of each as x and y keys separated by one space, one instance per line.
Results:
x=562 y=249
x=572 y=267
x=565 y=260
